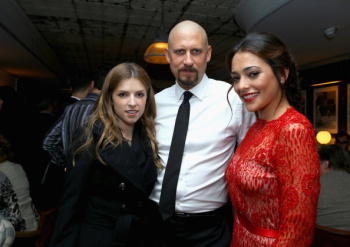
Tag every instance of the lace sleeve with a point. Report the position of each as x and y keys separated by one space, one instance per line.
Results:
x=298 y=176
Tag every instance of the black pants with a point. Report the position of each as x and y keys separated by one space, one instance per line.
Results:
x=213 y=229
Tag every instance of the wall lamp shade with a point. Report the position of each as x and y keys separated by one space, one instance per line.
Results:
x=155 y=53
x=323 y=137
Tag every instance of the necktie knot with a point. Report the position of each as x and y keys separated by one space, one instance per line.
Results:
x=187 y=96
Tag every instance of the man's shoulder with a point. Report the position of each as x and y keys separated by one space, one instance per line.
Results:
x=336 y=176
x=212 y=80
x=222 y=89
x=91 y=97
x=166 y=92
x=214 y=86
x=82 y=103
x=219 y=84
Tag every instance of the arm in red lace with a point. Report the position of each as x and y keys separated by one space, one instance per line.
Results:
x=298 y=174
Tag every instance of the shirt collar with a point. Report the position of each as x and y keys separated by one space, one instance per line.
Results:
x=198 y=91
x=74 y=97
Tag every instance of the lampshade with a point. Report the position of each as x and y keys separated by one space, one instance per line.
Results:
x=323 y=137
x=155 y=53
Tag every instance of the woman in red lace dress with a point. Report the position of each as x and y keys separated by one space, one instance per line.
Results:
x=273 y=177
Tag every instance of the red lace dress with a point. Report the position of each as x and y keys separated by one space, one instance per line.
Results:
x=273 y=181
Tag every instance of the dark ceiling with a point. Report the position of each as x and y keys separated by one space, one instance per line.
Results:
x=84 y=34
x=51 y=39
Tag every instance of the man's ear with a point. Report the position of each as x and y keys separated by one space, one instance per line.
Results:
x=324 y=167
x=167 y=55
x=326 y=164
x=210 y=49
x=92 y=85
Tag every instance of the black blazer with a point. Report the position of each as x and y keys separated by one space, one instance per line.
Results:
x=108 y=205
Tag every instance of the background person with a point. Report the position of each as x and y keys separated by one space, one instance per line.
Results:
x=58 y=139
x=273 y=177
x=15 y=202
x=343 y=139
x=36 y=158
x=81 y=85
x=333 y=209
x=7 y=232
x=201 y=215
x=105 y=200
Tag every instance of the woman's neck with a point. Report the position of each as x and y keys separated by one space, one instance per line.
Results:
x=273 y=112
x=127 y=132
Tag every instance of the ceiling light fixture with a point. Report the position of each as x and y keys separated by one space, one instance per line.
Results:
x=155 y=53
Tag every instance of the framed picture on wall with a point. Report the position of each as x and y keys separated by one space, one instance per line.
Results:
x=326 y=109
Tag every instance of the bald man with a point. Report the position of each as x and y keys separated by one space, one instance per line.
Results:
x=202 y=216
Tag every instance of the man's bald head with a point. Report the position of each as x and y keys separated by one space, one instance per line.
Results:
x=185 y=27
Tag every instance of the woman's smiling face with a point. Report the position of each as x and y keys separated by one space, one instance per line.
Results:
x=255 y=83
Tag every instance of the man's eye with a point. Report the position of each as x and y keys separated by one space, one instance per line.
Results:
x=196 y=51
x=179 y=52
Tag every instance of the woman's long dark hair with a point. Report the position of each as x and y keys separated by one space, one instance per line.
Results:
x=274 y=52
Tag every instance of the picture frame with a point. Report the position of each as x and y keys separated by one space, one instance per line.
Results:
x=325 y=113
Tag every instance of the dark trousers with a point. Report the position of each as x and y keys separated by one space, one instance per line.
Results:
x=212 y=229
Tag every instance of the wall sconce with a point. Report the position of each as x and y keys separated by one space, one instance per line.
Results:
x=323 y=137
x=155 y=53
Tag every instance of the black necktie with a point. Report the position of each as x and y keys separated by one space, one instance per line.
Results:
x=171 y=176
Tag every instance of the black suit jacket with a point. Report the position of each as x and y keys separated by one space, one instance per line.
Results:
x=108 y=205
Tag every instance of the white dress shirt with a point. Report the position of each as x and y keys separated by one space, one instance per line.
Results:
x=212 y=134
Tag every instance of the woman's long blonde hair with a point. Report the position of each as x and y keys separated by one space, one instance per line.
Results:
x=104 y=112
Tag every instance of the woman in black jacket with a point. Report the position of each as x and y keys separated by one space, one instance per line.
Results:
x=113 y=167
